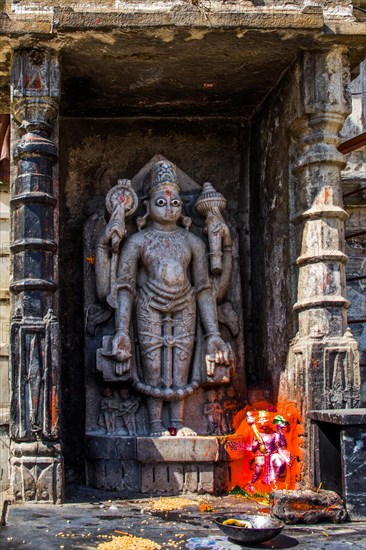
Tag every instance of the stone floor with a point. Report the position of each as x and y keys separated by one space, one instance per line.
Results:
x=89 y=518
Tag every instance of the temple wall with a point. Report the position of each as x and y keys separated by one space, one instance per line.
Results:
x=272 y=236
x=354 y=177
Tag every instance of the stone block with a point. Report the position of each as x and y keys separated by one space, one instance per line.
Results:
x=177 y=449
x=131 y=477
x=176 y=478
x=37 y=478
x=353 y=444
x=191 y=477
x=147 y=478
x=110 y=446
x=340 y=455
x=307 y=506
x=162 y=479
x=114 y=475
x=206 y=481
x=221 y=477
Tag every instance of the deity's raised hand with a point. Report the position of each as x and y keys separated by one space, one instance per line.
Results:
x=217 y=353
x=115 y=230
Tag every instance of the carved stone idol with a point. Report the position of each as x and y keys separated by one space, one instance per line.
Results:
x=165 y=278
x=214 y=414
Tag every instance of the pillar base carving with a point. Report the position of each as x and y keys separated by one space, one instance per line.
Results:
x=37 y=472
x=322 y=373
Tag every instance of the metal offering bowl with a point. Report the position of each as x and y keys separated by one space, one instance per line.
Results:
x=264 y=528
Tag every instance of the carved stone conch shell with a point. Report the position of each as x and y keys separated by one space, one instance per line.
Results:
x=210 y=204
x=210 y=200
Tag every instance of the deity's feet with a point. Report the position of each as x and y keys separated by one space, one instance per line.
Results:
x=158 y=430
x=185 y=432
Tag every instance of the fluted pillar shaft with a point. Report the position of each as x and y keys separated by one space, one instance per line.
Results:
x=323 y=369
x=35 y=342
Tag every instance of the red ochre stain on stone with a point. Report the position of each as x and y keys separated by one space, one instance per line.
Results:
x=314 y=362
x=54 y=408
x=242 y=461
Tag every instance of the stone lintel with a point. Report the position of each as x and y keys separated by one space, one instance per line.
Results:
x=342 y=417
x=67 y=20
x=178 y=449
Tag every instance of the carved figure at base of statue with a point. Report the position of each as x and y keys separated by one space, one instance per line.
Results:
x=109 y=409
x=127 y=411
x=230 y=407
x=214 y=414
x=164 y=295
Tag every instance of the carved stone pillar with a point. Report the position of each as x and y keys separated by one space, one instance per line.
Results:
x=323 y=369
x=37 y=466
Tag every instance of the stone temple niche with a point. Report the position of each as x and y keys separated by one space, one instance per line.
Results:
x=164 y=336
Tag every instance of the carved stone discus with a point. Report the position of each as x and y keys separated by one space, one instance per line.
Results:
x=122 y=193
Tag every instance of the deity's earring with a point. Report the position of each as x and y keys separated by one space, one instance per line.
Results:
x=141 y=220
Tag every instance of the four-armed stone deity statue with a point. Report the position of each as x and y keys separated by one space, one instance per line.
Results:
x=161 y=280
x=163 y=329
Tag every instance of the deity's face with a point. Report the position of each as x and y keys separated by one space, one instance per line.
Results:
x=165 y=206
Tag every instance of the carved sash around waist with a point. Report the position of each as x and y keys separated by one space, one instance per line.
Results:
x=167 y=300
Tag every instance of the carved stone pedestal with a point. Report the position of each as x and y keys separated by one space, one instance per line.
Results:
x=37 y=472
x=157 y=466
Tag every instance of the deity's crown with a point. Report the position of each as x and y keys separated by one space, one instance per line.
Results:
x=163 y=173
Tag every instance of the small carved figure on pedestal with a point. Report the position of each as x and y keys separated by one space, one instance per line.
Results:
x=127 y=411
x=109 y=410
x=230 y=407
x=213 y=413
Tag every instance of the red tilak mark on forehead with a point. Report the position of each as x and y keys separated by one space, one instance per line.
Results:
x=168 y=193
x=122 y=198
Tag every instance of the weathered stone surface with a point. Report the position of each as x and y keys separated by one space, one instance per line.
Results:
x=120 y=476
x=340 y=455
x=35 y=372
x=307 y=506
x=178 y=449
x=37 y=472
x=113 y=447
x=341 y=417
